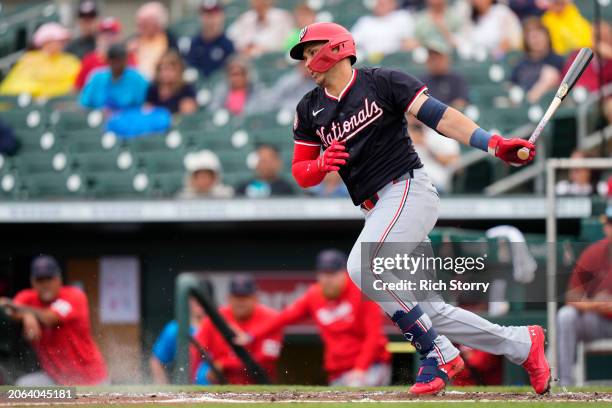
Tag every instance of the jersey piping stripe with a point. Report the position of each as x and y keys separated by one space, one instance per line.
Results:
x=313 y=144
x=346 y=88
x=420 y=91
x=382 y=241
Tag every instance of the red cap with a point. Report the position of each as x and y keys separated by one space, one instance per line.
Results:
x=110 y=25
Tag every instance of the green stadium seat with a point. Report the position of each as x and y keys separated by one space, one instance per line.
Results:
x=50 y=185
x=279 y=137
x=169 y=184
x=260 y=121
x=24 y=118
x=162 y=162
x=73 y=121
x=96 y=162
x=82 y=141
x=147 y=143
x=236 y=178
x=33 y=163
x=114 y=184
x=233 y=161
x=220 y=139
x=29 y=140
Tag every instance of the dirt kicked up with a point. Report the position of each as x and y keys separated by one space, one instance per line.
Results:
x=311 y=396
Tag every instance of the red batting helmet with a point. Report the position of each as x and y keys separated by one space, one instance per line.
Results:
x=335 y=35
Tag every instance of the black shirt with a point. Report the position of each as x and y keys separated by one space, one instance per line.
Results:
x=172 y=103
x=527 y=72
x=447 y=88
x=369 y=116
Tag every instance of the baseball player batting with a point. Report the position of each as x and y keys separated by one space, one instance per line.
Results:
x=354 y=122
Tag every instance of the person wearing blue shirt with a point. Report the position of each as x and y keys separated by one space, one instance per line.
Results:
x=117 y=87
x=210 y=49
x=164 y=349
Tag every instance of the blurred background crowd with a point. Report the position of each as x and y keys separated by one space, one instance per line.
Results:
x=202 y=106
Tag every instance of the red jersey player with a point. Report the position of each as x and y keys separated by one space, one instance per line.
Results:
x=55 y=320
x=350 y=327
x=243 y=313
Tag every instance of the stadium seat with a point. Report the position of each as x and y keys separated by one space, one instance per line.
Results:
x=33 y=163
x=114 y=184
x=233 y=161
x=72 y=121
x=169 y=184
x=147 y=143
x=96 y=162
x=162 y=162
x=50 y=185
x=27 y=118
x=222 y=138
x=82 y=141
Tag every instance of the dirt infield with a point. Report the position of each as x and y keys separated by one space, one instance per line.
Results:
x=104 y=398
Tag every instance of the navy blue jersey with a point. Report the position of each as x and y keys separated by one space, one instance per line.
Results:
x=369 y=116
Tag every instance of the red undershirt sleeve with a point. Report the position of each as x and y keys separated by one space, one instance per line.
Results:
x=304 y=165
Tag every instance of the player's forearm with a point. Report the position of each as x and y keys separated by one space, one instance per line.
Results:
x=456 y=125
x=306 y=173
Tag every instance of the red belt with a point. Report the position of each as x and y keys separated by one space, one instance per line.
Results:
x=371 y=202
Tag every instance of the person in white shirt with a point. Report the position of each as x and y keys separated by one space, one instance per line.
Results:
x=438 y=153
x=262 y=29
x=494 y=27
x=203 y=178
x=386 y=31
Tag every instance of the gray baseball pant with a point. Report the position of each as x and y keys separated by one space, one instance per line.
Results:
x=406 y=212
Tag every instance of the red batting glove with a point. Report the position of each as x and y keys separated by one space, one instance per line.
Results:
x=507 y=149
x=332 y=158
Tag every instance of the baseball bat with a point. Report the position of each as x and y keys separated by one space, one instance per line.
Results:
x=571 y=77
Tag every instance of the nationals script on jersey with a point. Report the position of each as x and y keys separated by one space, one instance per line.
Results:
x=369 y=116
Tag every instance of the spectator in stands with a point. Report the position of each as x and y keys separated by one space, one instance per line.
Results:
x=8 y=143
x=332 y=186
x=152 y=39
x=262 y=29
x=386 y=31
x=539 y=69
x=568 y=29
x=350 y=327
x=443 y=83
x=203 y=179
x=211 y=48
x=580 y=180
x=303 y=16
x=493 y=27
x=437 y=153
x=286 y=91
x=239 y=94
x=243 y=313
x=85 y=41
x=164 y=349
x=438 y=23
x=268 y=180
x=116 y=87
x=587 y=314
x=109 y=33
x=168 y=90
x=55 y=321
x=591 y=76
x=47 y=71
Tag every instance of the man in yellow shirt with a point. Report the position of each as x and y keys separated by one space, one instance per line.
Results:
x=47 y=71
x=568 y=29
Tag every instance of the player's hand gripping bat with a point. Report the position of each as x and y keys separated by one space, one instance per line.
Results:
x=571 y=77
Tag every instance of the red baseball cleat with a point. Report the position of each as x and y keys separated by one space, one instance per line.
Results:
x=536 y=364
x=433 y=378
